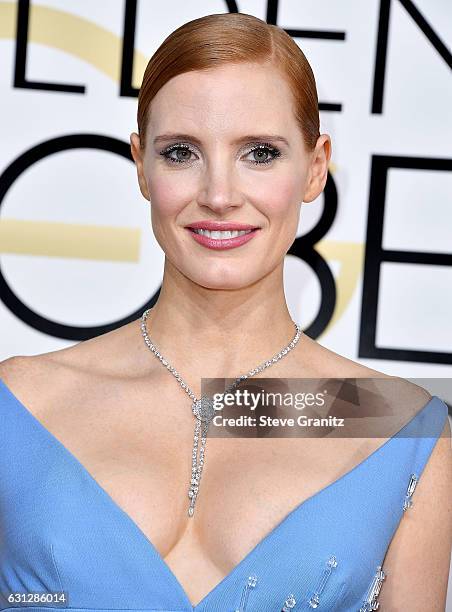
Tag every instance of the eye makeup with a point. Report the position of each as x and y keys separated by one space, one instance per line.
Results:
x=260 y=147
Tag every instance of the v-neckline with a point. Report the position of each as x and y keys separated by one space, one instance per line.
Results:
x=98 y=489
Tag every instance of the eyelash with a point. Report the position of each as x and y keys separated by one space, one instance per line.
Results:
x=258 y=147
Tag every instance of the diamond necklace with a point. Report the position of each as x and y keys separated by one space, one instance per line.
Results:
x=203 y=408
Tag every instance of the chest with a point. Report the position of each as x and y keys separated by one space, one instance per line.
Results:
x=142 y=457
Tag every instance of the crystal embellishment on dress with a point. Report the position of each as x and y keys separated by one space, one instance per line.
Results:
x=371 y=603
x=330 y=565
x=408 y=502
x=250 y=584
x=289 y=604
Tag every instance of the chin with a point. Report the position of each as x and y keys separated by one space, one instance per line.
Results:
x=222 y=280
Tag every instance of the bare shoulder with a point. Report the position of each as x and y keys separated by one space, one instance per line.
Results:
x=326 y=362
x=28 y=378
x=21 y=370
x=42 y=380
x=401 y=393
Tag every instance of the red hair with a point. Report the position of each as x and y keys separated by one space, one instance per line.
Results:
x=226 y=38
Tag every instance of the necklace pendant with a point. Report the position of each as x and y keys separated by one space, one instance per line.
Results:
x=203 y=409
x=197 y=466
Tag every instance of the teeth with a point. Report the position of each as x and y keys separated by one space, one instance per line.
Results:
x=221 y=235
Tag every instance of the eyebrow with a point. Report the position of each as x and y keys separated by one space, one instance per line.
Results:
x=237 y=141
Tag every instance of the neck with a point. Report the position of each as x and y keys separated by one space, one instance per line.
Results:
x=220 y=332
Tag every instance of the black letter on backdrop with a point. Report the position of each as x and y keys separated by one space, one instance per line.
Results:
x=9 y=176
x=272 y=17
x=382 y=46
x=20 y=81
x=128 y=46
x=304 y=248
x=130 y=13
x=375 y=255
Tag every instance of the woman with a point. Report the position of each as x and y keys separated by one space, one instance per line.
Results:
x=228 y=139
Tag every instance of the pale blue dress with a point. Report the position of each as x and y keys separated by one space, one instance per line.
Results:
x=60 y=531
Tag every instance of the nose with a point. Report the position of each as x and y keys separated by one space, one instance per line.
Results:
x=220 y=189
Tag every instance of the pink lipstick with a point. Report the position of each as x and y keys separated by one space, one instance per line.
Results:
x=209 y=233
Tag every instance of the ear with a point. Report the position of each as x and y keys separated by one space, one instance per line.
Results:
x=138 y=154
x=318 y=168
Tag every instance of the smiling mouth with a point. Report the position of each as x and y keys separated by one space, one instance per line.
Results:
x=221 y=235
x=222 y=239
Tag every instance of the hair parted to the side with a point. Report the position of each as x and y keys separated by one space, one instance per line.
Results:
x=227 y=38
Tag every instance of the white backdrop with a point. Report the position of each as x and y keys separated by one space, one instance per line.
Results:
x=76 y=246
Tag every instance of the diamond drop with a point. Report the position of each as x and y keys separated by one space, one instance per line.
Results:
x=332 y=562
x=252 y=580
x=313 y=602
x=290 y=602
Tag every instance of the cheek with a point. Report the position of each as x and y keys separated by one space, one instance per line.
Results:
x=280 y=199
x=167 y=195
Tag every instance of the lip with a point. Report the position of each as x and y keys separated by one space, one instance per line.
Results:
x=223 y=244
x=220 y=225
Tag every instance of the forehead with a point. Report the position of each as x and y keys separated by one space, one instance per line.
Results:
x=231 y=97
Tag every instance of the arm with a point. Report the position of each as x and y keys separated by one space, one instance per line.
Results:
x=418 y=558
